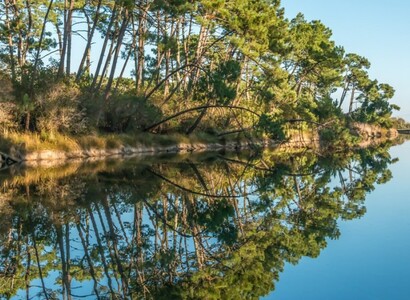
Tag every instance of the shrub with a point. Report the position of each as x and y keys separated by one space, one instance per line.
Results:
x=8 y=107
x=7 y=117
x=59 y=110
x=336 y=136
x=129 y=112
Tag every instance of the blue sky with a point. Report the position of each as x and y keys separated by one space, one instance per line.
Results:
x=378 y=30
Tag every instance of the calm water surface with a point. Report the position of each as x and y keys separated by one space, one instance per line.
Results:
x=371 y=259
x=214 y=226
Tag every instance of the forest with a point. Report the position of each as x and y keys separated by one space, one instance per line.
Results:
x=78 y=67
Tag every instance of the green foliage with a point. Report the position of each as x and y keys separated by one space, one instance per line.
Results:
x=336 y=136
x=326 y=110
x=272 y=127
x=129 y=113
x=219 y=84
x=181 y=54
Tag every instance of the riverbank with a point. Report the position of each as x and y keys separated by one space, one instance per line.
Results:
x=34 y=148
x=30 y=148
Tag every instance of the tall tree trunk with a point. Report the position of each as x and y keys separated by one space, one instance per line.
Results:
x=186 y=45
x=116 y=55
x=68 y=259
x=106 y=64
x=28 y=35
x=199 y=53
x=60 y=39
x=89 y=260
x=104 y=47
x=116 y=253
x=100 y=248
x=10 y=42
x=65 y=274
x=142 y=29
x=167 y=63
x=178 y=50
x=159 y=56
x=65 y=38
x=123 y=70
x=90 y=36
x=36 y=62
x=69 y=36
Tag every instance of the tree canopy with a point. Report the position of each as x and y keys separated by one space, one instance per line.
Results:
x=124 y=65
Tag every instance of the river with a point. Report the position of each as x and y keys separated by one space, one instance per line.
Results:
x=211 y=226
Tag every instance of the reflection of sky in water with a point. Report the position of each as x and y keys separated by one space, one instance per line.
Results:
x=363 y=261
x=371 y=260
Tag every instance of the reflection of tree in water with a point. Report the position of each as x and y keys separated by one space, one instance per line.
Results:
x=210 y=229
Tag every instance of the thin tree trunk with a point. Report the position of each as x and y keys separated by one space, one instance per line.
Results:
x=114 y=64
x=123 y=70
x=106 y=66
x=178 y=50
x=159 y=58
x=29 y=28
x=345 y=89
x=60 y=40
x=66 y=288
x=27 y=274
x=199 y=53
x=351 y=100
x=114 y=243
x=68 y=259
x=89 y=260
x=10 y=42
x=65 y=38
x=104 y=47
x=140 y=53
x=36 y=62
x=89 y=41
x=100 y=249
x=40 y=272
x=69 y=36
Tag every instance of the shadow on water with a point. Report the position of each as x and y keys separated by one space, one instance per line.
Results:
x=203 y=227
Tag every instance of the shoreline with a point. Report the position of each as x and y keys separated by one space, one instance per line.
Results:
x=20 y=154
x=53 y=157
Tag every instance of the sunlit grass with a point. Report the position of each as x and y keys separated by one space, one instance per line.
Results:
x=37 y=142
x=32 y=142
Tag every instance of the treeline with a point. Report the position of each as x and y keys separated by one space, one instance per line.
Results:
x=220 y=66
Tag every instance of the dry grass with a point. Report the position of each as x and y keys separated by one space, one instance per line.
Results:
x=26 y=143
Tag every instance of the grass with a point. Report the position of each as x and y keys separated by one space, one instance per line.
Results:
x=32 y=142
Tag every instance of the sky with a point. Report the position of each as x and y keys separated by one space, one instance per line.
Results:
x=376 y=29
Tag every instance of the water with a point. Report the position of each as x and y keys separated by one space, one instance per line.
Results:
x=215 y=226
x=371 y=258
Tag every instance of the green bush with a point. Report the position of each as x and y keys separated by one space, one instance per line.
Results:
x=336 y=136
x=129 y=113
